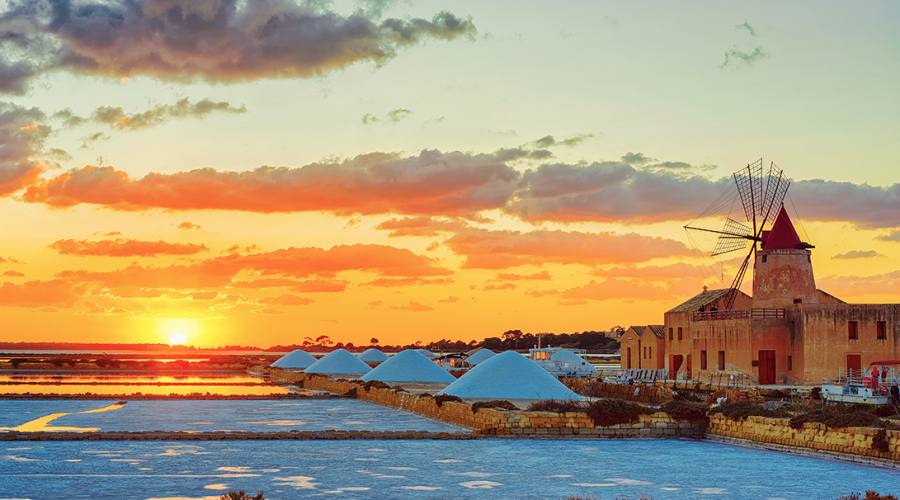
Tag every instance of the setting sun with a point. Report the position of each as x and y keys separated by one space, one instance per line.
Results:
x=178 y=331
x=177 y=338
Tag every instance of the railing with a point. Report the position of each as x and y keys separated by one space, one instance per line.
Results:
x=760 y=313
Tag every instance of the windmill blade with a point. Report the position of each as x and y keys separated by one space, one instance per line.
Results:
x=738 y=279
x=750 y=188
x=734 y=236
x=775 y=191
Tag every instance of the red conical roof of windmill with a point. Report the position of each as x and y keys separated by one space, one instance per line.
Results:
x=782 y=235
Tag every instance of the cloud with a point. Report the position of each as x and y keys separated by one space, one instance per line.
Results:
x=414 y=307
x=392 y=116
x=891 y=236
x=286 y=300
x=636 y=159
x=499 y=286
x=879 y=284
x=431 y=183
x=865 y=205
x=211 y=40
x=664 y=272
x=122 y=247
x=393 y=282
x=420 y=226
x=189 y=226
x=617 y=289
x=117 y=118
x=745 y=26
x=735 y=56
x=549 y=141
x=857 y=254
x=289 y=262
x=503 y=249
x=543 y=275
x=55 y=292
x=14 y=274
x=22 y=135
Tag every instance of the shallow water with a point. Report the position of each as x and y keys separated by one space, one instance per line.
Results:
x=274 y=415
x=422 y=468
x=131 y=378
x=116 y=389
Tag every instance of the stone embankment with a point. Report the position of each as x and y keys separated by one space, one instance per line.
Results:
x=499 y=422
x=850 y=441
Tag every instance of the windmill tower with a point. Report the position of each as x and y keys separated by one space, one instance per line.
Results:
x=782 y=266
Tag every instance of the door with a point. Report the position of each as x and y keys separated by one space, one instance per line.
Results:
x=854 y=365
x=674 y=364
x=687 y=367
x=766 y=367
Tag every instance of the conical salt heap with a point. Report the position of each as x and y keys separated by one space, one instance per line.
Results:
x=480 y=355
x=339 y=362
x=298 y=359
x=372 y=356
x=510 y=376
x=409 y=367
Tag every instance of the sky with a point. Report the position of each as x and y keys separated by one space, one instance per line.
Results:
x=221 y=172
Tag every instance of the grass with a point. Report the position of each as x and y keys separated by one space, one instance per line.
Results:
x=686 y=410
x=839 y=416
x=740 y=410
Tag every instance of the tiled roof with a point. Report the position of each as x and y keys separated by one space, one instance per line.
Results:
x=701 y=299
x=658 y=330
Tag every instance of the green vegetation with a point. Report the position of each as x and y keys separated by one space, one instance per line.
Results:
x=839 y=416
x=740 y=410
x=880 y=441
x=495 y=404
x=440 y=399
x=376 y=384
x=686 y=410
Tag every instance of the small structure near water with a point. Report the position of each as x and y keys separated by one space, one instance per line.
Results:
x=409 y=367
x=510 y=376
x=339 y=362
x=372 y=356
x=298 y=359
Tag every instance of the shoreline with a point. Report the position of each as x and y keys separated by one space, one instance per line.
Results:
x=806 y=452
x=142 y=397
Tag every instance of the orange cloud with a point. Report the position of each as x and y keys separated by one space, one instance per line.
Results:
x=414 y=307
x=55 y=292
x=432 y=183
x=286 y=300
x=14 y=274
x=22 y=136
x=612 y=289
x=543 y=275
x=125 y=248
x=390 y=282
x=503 y=249
x=188 y=226
x=421 y=226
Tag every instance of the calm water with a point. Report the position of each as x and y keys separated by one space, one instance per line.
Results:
x=132 y=378
x=116 y=389
x=221 y=415
x=425 y=469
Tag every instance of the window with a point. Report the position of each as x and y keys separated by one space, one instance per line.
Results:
x=679 y=333
x=853 y=330
x=650 y=352
x=764 y=258
x=721 y=360
x=671 y=337
x=790 y=363
x=881 y=330
x=798 y=301
x=702 y=360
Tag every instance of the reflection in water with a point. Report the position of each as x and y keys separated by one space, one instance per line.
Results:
x=132 y=378
x=41 y=424
x=118 y=389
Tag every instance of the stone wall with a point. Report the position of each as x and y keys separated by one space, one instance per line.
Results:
x=814 y=436
x=499 y=422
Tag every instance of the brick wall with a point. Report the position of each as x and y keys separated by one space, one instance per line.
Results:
x=814 y=436
x=499 y=422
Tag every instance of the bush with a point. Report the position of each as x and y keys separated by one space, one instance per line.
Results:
x=870 y=495
x=688 y=395
x=777 y=394
x=440 y=399
x=376 y=384
x=606 y=412
x=880 y=441
x=837 y=417
x=351 y=393
x=740 y=410
x=815 y=394
x=556 y=406
x=686 y=410
x=494 y=404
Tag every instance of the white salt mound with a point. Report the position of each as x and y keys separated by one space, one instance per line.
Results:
x=372 y=356
x=511 y=376
x=338 y=362
x=480 y=355
x=409 y=366
x=297 y=359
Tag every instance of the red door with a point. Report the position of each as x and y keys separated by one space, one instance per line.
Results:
x=674 y=364
x=854 y=365
x=766 y=367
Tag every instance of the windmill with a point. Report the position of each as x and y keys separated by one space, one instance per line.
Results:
x=762 y=193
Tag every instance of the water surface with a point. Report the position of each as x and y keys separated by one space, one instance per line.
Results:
x=427 y=469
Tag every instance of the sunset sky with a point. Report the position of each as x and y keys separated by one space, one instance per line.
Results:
x=257 y=172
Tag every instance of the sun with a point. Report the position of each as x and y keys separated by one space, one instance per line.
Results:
x=178 y=331
x=177 y=338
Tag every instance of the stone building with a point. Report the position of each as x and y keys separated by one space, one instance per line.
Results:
x=788 y=332
x=643 y=347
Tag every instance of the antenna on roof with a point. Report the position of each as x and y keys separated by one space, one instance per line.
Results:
x=762 y=195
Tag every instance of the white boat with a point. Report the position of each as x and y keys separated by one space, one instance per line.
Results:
x=876 y=385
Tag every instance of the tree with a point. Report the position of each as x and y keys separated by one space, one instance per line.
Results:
x=323 y=340
x=373 y=341
x=512 y=337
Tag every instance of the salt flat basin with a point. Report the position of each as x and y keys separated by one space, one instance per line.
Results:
x=661 y=469
x=117 y=389
x=52 y=378
x=270 y=415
